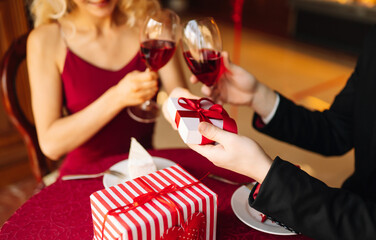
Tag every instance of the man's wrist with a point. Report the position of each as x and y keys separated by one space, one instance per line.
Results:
x=264 y=100
x=269 y=117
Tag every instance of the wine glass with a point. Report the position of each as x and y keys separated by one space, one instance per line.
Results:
x=159 y=35
x=202 y=46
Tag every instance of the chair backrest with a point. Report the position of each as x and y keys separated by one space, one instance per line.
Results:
x=9 y=67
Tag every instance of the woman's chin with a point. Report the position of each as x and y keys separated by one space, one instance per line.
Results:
x=102 y=13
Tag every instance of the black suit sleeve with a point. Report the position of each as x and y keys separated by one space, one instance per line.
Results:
x=307 y=205
x=328 y=132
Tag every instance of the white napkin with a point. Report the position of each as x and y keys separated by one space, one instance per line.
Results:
x=140 y=162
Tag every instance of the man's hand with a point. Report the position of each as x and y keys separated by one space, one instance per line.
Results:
x=237 y=153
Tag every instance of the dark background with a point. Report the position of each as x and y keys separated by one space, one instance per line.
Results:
x=342 y=29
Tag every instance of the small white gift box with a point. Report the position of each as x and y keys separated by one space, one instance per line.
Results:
x=188 y=113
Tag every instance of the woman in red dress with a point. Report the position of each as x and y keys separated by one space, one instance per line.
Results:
x=85 y=70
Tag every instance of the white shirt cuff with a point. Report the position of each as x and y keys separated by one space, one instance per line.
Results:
x=268 y=118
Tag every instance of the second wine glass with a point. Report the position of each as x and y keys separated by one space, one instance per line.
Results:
x=159 y=35
x=202 y=46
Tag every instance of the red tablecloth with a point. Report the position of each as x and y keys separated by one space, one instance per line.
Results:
x=62 y=210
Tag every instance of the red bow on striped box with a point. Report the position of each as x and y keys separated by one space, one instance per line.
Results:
x=188 y=113
x=145 y=207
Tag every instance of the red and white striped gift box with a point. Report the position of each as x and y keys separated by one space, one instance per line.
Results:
x=151 y=219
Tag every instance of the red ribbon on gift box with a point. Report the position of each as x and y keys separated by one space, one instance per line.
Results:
x=216 y=111
x=151 y=194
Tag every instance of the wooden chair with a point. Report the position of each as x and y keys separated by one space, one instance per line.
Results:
x=15 y=55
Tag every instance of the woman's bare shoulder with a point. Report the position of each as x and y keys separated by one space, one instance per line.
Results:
x=44 y=37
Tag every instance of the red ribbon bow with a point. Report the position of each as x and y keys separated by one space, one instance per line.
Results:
x=144 y=198
x=216 y=111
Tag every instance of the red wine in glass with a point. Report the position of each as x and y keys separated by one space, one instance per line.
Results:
x=207 y=67
x=202 y=46
x=156 y=53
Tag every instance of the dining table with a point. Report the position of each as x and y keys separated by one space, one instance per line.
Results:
x=62 y=209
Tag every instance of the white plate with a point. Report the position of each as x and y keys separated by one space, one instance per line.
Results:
x=252 y=217
x=122 y=166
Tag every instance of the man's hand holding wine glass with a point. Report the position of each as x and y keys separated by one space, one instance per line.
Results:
x=224 y=82
x=239 y=87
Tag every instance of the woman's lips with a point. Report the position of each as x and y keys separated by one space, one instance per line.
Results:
x=100 y=3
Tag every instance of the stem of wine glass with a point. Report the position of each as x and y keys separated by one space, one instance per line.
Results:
x=145 y=105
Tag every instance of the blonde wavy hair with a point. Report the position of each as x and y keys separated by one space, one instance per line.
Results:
x=126 y=11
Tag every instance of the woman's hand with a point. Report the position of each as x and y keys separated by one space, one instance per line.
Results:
x=237 y=153
x=137 y=87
